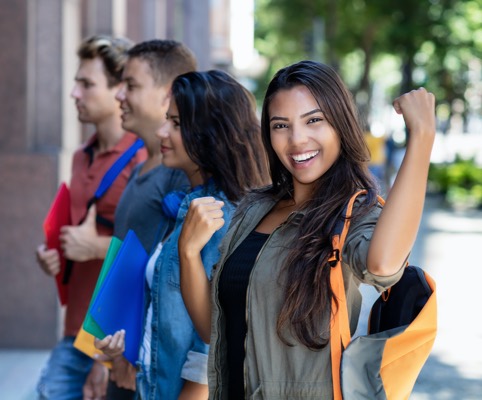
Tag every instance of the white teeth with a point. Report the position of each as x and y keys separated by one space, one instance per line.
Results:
x=305 y=156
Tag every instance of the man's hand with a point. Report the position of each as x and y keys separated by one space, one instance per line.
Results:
x=95 y=387
x=48 y=259
x=83 y=243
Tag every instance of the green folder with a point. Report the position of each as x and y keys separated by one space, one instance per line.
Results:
x=89 y=324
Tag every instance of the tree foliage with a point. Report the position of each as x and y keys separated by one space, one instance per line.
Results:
x=434 y=41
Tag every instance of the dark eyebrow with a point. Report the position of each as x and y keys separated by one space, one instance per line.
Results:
x=275 y=118
x=81 y=79
x=316 y=110
x=169 y=116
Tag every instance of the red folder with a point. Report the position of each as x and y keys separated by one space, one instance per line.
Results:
x=58 y=216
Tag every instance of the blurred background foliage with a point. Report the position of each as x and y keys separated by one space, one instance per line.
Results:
x=460 y=182
x=406 y=44
x=383 y=49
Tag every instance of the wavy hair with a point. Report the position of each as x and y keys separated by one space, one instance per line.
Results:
x=307 y=298
x=220 y=130
x=112 y=52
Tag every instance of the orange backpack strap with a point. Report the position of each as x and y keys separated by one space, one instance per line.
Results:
x=340 y=326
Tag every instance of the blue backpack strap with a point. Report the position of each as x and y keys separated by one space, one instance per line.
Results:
x=115 y=170
x=109 y=177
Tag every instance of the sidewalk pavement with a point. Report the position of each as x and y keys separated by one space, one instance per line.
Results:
x=19 y=371
x=448 y=248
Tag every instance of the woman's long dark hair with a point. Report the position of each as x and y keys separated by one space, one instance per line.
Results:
x=220 y=130
x=306 y=279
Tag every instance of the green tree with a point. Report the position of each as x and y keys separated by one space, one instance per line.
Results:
x=288 y=31
x=454 y=42
x=434 y=40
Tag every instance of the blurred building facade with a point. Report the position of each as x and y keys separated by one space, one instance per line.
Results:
x=39 y=128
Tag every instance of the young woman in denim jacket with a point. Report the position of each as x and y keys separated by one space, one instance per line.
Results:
x=267 y=310
x=212 y=134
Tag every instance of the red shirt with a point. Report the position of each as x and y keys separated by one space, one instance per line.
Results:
x=87 y=172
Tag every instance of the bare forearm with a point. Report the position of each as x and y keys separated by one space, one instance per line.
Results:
x=196 y=292
x=194 y=391
x=123 y=373
x=399 y=221
x=204 y=218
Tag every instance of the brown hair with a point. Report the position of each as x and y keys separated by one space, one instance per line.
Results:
x=112 y=52
x=220 y=130
x=166 y=58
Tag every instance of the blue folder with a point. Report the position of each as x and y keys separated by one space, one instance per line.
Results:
x=89 y=324
x=119 y=303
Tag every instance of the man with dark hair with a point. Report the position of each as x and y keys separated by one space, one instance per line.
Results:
x=70 y=374
x=150 y=69
x=149 y=72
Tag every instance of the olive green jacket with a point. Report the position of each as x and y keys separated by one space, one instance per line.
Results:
x=273 y=370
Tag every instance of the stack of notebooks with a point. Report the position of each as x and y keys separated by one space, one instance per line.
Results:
x=118 y=299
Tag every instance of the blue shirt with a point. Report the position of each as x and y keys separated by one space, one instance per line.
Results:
x=177 y=351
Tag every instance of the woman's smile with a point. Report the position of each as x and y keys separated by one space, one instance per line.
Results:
x=304 y=158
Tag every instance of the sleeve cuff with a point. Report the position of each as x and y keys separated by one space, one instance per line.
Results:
x=381 y=283
x=195 y=368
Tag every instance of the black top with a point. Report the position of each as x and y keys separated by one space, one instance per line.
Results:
x=233 y=285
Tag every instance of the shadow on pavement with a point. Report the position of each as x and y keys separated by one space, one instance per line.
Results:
x=443 y=381
x=442 y=230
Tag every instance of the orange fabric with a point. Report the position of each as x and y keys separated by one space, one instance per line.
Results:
x=402 y=352
x=340 y=326
x=410 y=350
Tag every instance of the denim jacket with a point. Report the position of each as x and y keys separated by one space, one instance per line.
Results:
x=177 y=351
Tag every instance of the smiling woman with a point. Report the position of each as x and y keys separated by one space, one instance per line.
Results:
x=174 y=154
x=268 y=320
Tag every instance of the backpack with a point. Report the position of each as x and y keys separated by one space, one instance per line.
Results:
x=385 y=363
